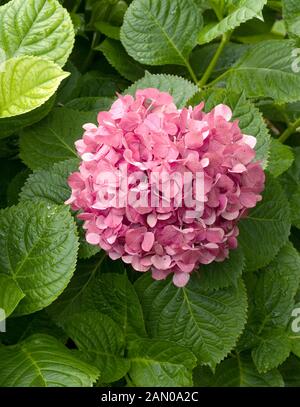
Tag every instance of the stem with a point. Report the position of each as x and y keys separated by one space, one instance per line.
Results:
x=218 y=79
x=213 y=62
x=76 y=6
x=89 y=59
x=191 y=71
x=292 y=128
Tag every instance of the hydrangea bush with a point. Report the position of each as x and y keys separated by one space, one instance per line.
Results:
x=150 y=193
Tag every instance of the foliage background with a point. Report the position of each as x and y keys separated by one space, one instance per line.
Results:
x=75 y=318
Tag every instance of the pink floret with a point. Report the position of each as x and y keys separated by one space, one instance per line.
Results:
x=148 y=135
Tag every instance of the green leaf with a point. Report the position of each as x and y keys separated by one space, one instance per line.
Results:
x=158 y=33
x=20 y=328
x=52 y=140
x=291 y=17
x=246 y=10
x=160 y=363
x=264 y=68
x=201 y=57
x=271 y=352
x=118 y=58
x=268 y=223
x=281 y=158
x=208 y=322
x=109 y=293
x=181 y=89
x=38 y=246
x=36 y=27
x=10 y=295
x=27 y=83
x=238 y=371
x=223 y=274
x=10 y=125
x=50 y=185
x=101 y=341
x=250 y=118
x=90 y=104
x=271 y=293
x=291 y=372
x=111 y=31
x=43 y=361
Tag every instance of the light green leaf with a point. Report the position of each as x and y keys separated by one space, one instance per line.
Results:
x=38 y=245
x=250 y=118
x=27 y=83
x=223 y=274
x=158 y=33
x=50 y=185
x=246 y=10
x=43 y=361
x=118 y=58
x=181 y=89
x=101 y=341
x=36 y=27
x=280 y=159
x=237 y=371
x=291 y=17
x=266 y=70
x=268 y=223
x=52 y=140
x=160 y=363
x=10 y=295
x=208 y=322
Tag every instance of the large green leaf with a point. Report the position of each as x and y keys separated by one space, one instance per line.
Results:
x=109 y=293
x=272 y=351
x=237 y=371
x=208 y=322
x=50 y=185
x=181 y=89
x=36 y=27
x=223 y=274
x=10 y=294
x=101 y=341
x=291 y=16
x=271 y=301
x=158 y=32
x=250 y=118
x=266 y=70
x=281 y=158
x=27 y=82
x=268 y=223
x=245 y=10
x=52 y=140
x=43 y=361
x=116 y=55
x=160 y=363
x=38 y=244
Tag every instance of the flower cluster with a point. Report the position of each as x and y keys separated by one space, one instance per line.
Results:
x=145 y=136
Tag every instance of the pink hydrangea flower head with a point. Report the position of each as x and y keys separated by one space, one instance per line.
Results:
x=164 y=188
